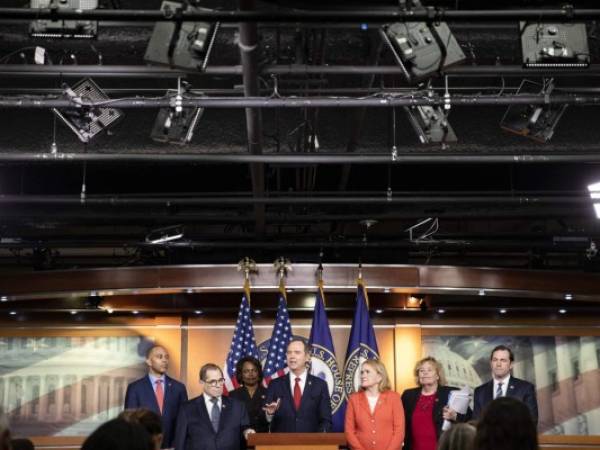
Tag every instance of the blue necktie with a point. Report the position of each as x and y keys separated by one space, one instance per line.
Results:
x=215 y=413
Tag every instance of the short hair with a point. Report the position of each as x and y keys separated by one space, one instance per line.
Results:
x=379 y=367
x=152 y=347
x=460 y=437
x=206 y=367
x=436 y=364
x=118 y=434
x=307 y=346
x=240 y=366
x=146 y=418
x=503 y=348
x=506 y=424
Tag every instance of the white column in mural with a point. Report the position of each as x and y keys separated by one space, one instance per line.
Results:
x=6 y=405
x=60 y=398
x=588 y=360
x=43 y=399
x=96 y=396
x=564 y=399
x=76 y=394
x=518 y=369
x=543 y=385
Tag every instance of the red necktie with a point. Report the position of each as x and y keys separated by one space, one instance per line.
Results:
x=297 y=394
x=160 y=395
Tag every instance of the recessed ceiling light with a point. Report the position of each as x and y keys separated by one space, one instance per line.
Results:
x=198 y=312
x=289 y=290
x=568 y=296
x=441 y=311
x=135 y=311
x=4 y=298
x=481 y=292
x=386 y=290
x=562 y=311
x=189 y=291
x=109 y=310
x=73 y=312
x=257 y=311
x=502 y=311
x=13 y=313
x=379 y=311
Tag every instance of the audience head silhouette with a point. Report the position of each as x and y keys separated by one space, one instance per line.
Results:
x=460 y=437
x=118 y=434
x=506 y=424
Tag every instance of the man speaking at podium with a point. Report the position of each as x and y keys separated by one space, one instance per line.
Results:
x=298 y=402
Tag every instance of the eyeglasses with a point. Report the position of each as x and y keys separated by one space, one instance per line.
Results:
x=215 y=383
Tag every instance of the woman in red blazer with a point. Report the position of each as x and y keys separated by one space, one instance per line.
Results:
x=374 y=415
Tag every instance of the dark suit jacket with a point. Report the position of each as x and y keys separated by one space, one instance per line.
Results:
x=314 y=414
x=517 y=388
x=254 y=406
x=195 y=431
x=409 y=402
x=140 y=394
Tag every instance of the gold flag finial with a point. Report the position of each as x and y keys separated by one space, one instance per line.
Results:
x=282 y=266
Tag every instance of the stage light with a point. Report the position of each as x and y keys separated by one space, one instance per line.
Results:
x=430 y=123
x=181 y=44
x=413 y=302
x=46 y=28
x=423 y=49
x=568 y=296
x=554 y=45
x=175 y=126
x=536 y=122
x=163 y=235
x=87 y=122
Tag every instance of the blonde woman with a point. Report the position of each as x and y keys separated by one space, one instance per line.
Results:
x=425 y=406
x=374 y=416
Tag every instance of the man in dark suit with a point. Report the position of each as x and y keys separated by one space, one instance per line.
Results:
x=298 y=402
x=158 y=392
x=503 y=384
x=212 y=421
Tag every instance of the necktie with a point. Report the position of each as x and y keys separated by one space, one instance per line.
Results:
x=160 y=394
x=297 y=394
x=215 y=414
x=499 y=391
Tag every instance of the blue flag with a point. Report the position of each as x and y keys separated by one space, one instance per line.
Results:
x=323 y=362
x=362 y=344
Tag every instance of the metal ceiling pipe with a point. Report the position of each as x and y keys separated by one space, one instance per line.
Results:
x=108 y=71
x=248 y=44
x=312 y=158
x=386 y=101
x=429 y=14
x=317 y=200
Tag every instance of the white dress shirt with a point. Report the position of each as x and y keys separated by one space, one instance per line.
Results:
x=302 y=381
x=153 y=382
x=209 y=404
x=504 y=382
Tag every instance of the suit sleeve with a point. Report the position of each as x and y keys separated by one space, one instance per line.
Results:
x=530 y=399
x=131 y=398
x=181 y=430
x=350 y=427
x=398 y=424
x=325 y=421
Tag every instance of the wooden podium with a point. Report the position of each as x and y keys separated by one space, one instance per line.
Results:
x=297 y=441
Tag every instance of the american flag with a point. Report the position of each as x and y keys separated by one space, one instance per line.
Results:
x=242 y=343
x=275 y=364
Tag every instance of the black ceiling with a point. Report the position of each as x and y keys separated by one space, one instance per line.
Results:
x=533 y=212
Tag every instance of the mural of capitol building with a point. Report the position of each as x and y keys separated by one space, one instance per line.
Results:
x=66 y=385
x=565 y=371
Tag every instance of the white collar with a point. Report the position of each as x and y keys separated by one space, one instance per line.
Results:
x=504 y=380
